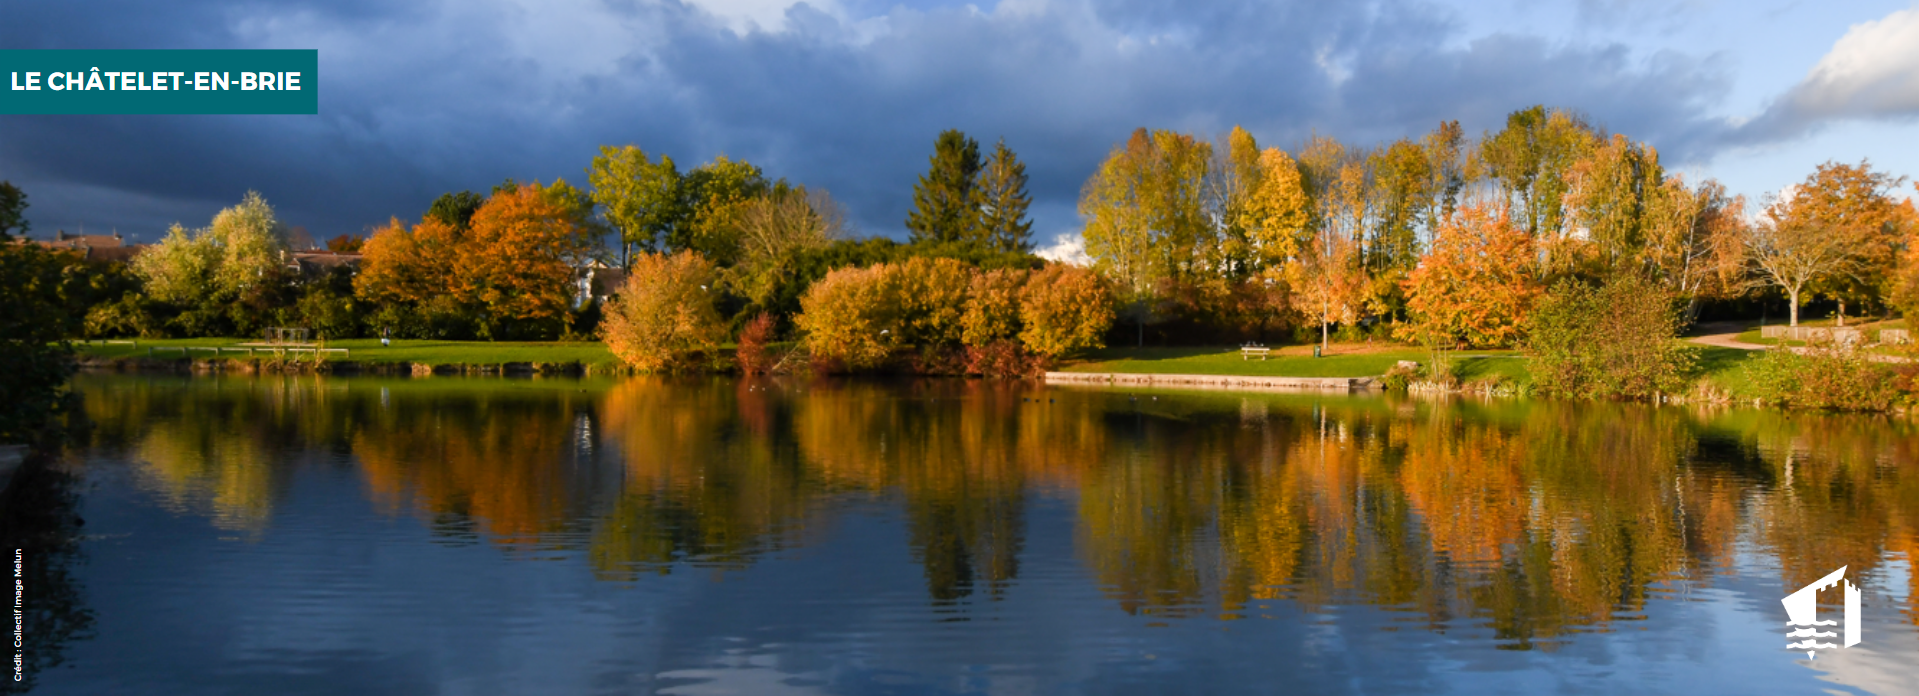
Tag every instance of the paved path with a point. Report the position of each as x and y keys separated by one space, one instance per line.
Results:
x=1725 y=334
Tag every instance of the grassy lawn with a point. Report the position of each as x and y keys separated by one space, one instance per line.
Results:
x=1291 y=361
x=411 y=351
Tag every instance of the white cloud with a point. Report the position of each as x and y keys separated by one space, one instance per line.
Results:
x=1872 y=70
x=1067 y=248
x=743 y=16
x=1871 y=73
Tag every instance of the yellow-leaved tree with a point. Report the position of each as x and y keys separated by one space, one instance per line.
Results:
x=664 y=316
x=1278 y=212
x=1065 y=308
x=851 y=317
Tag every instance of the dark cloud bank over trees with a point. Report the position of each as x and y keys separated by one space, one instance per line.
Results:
x=420 y=100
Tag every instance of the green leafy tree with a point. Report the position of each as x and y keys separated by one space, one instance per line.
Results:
x=1402 y=186
x=1003 y=202
x=13 y=211
x=455 y=210
x=34 y=328
x=709 y=193
x=227 y=277
x=1530 y=160
x=639 y=197
x=1616 y=341
x=945 y=206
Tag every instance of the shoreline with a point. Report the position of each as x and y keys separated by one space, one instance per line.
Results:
x=1219 y=382
x=342 y=367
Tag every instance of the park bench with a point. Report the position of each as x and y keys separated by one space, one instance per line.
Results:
x=1246 y=352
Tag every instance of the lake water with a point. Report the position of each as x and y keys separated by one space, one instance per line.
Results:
x=304 y=535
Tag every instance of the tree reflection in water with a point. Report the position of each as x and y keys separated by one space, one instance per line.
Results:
x=39 y=519
x=1536 y=519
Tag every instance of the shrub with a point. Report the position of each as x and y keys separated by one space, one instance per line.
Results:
x=1829 y=378
x=1399 y=378
x=992 y=308
x=931 y=296
x=843 y=315
x=664 y=314
x=753 y=356
x=1064 y=308
x=1002 y=358
x=1611 y=342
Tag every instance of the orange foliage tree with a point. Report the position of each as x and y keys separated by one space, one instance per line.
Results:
x=1477 y=284
x=518 y=258
x=399 y=265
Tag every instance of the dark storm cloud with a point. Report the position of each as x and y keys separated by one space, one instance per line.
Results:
x=428 y=98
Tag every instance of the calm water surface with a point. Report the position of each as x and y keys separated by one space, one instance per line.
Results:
x=445 y=536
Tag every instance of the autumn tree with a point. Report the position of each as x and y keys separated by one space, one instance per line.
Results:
x=931 y=298
x=945 y=204
x=1611 y=194
x=407 y=273
x=759 y=239
x=1854 y=205
x=1402 y=189
x=1278 y=212
x=1003 y=201
x=665 y=313
x=992 y=307
x=851 y=317
x=1329 y=281
x=1905 y=279
x=1476 y=285
x=1233 y=177
x=179 y=268
x=1694 y=241
x=1145 y=216
x=518 y=260
x=1064 y=309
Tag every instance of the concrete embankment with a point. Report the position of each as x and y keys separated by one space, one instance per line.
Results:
x=1225 y=382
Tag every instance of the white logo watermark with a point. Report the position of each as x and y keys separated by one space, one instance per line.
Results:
x=1802 y=610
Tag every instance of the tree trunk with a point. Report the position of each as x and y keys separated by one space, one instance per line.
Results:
x=1842 y=312
x=1793 y=297
x=1325 y=344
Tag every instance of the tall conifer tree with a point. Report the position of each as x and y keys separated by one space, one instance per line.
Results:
x=1003 y=202
x=944 y=203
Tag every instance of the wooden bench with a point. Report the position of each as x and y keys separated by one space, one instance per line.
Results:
x=1247 y=352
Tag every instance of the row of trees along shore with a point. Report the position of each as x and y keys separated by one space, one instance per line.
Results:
x=1450 y=240
x=1444 y=240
